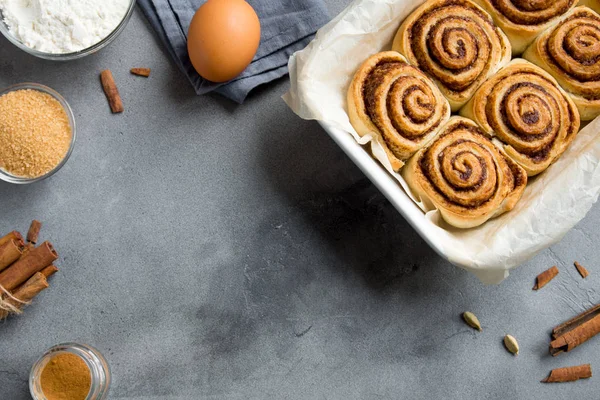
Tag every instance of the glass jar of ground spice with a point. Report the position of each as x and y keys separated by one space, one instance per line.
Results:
x=70 y=371
x=37 y=133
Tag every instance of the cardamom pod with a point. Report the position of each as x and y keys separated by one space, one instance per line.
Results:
x=472 y=320
x=511 y=344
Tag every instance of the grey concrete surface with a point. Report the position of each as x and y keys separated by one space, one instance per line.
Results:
x=216 y=251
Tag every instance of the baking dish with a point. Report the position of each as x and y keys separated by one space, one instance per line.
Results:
x=552 y=203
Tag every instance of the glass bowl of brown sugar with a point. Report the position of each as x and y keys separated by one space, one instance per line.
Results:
x=37 y=133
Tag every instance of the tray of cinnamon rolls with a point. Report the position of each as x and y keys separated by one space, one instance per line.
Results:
x=473 y=117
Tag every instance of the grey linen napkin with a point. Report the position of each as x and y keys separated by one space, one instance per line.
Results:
x=286 y=26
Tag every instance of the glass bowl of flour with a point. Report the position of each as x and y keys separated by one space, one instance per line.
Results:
x=63 y=29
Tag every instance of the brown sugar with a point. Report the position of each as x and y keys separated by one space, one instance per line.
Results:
x=35 y=134
x=66 y=377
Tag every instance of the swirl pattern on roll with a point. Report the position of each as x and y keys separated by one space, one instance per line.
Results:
x=527 y=12
x=456 y=43
x=523 y=20
x=465 y=176
x=397 y=102
x=570 y=51
x=525 y=109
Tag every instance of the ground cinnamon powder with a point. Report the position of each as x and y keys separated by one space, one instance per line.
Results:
x=66 y=377
x=35 y=134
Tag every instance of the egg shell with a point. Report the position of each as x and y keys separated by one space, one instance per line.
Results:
x=223 y=38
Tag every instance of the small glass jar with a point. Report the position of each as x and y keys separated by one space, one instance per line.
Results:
x=97 y=364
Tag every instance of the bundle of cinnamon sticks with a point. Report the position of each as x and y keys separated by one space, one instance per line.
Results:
x=24 y=269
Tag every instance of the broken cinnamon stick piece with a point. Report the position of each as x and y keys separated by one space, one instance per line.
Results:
x=35 y=261
x=145 y=72
x=542 y=279
x=10 y=252
x=569 y=374
x=34 y=231
x=581 y=269
x=111 y=91
x=27 y=292
x=14 y=235
x=49 y=271
x=575 y=332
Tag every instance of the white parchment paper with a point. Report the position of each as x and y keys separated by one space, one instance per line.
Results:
x=552 y=203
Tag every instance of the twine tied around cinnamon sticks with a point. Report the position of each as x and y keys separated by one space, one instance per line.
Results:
x=24 y=269
x=9 y=303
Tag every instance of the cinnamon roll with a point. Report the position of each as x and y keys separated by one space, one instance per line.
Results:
x=465 y=176
x=456 y=43
x=523 y=20
x=570 y=52
x=523 y=107
x=397 y=103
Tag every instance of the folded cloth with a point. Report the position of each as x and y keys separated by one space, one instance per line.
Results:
x=286 y=27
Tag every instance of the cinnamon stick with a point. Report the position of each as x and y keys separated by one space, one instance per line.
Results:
x=145 y=72
x=111 y=91
x=581 y=269
x=36 y=260
x=10 y=252
x=569 y=374
x=27 y=292
x=575 y=321
x=545 y=277
x=576 y=331
x=26 y=249
x=34 y=231
x=49 y=271
x=14 y=235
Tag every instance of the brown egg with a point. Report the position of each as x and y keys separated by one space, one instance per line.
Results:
x=223 y=38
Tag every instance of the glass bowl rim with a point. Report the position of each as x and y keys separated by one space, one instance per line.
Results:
x=10 y=178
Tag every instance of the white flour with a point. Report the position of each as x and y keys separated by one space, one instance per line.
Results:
x=62 y=26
